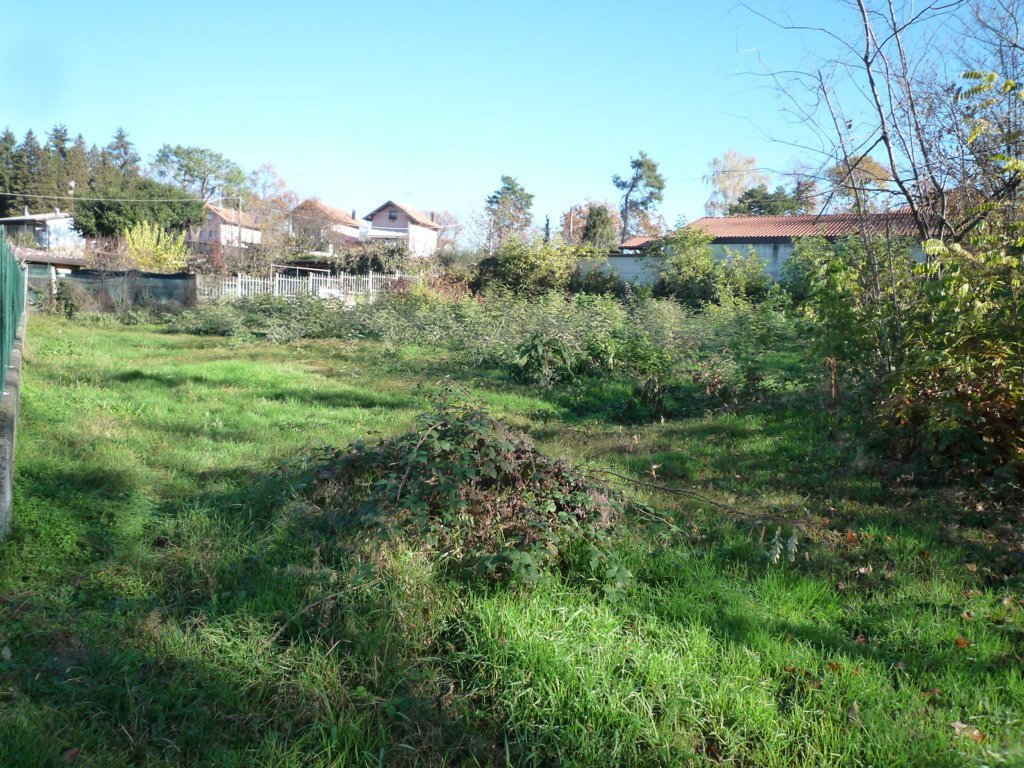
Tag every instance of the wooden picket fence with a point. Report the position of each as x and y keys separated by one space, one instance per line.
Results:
x=342 y=286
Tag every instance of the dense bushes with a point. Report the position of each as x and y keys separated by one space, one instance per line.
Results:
x=936 y=347
x=532 y=266
x=692 y=273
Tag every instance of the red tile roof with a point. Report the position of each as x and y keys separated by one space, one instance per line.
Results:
x=231 y=216
x=899 y=223
x=313 y=208
x=415 y=216
x=641 y=241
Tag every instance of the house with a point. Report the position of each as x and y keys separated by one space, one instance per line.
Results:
x=328 y=227
x=392 y=221
x=225 y=228
x=771 y=237
x=54 y=231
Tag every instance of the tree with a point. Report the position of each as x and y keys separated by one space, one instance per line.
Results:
x=507 y=212
x=642 y=190
x=574 y=220
x=8 y=145
x=122 y=203
x=599 y=230
x=730 y=175
x=202 y=172
x=151 y=249
x=122 y=155
x=856 y=182
x=28 y=166
x=758 y=201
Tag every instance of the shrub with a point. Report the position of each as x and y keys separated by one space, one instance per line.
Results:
x=532 y=267
x=957 y=400
x=477 y=498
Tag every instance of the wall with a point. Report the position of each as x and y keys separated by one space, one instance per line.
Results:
x=381 y=221
x=630 y=269
x=774 y=254
x=422 y=241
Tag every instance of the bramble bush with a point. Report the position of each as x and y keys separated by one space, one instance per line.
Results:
x=478 y=499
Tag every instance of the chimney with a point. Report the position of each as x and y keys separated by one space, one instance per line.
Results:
x=26 y=210
x=353 y=213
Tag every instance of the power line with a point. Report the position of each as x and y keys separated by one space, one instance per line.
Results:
x=119 y=199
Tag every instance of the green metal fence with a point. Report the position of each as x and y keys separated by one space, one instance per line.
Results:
x=12 y=302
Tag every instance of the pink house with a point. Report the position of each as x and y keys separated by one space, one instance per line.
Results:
x=392 y=221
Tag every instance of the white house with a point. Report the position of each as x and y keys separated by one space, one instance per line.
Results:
x=225 y=227
x=392 y=221
x=771 y=237
x=54 y=231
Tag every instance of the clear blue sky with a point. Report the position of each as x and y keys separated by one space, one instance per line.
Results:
x=427 y=103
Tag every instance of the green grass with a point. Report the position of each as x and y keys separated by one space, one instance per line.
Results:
x=152 y=584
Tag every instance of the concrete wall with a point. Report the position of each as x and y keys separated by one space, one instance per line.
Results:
x=630 y=269
x=644 y=270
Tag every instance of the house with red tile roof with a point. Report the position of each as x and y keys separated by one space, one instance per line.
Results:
x=773 y=237
x=225 y=228
x=393 y=221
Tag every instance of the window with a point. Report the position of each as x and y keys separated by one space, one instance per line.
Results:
x=392 y=215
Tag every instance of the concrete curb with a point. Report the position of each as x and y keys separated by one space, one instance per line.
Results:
x=9 y=405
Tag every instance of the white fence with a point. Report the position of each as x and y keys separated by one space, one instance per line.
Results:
x=344 y=287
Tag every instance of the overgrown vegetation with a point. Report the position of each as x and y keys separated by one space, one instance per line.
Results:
x=180 y=587
x=477 y=498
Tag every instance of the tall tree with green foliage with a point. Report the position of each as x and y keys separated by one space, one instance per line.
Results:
x=118 y=205
x=122 y=154
x=600 y=230
x=202 y=172
x=758 y=201
x=507 y=212
x=8 y=145
x=642 y=190
x=28 y=165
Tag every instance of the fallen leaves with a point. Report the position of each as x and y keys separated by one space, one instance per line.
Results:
x=962 y=642
x=71 y=755
x=967 y=731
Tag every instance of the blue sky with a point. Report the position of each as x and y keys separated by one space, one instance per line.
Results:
x=427 y=103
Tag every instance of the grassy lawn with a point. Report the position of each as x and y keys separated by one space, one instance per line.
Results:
x=158 y=588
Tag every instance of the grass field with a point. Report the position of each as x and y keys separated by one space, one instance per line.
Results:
x=159 y=588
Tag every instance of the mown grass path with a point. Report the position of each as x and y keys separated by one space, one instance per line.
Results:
x=159 y=548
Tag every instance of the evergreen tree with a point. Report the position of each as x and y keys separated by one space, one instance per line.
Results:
x=28 y=161
x=76 y=169
x=508 y=212
x=122 y=155
x=599 y=230
x=58 y=141
x=8 y=145
x=642 y=190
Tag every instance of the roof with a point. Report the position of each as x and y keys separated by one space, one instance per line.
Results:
x=828 y=225
x=313 y=207
x=416 y=217
x=637 y=243
x=50 y=216
x=230 y=216
x=39 y=256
